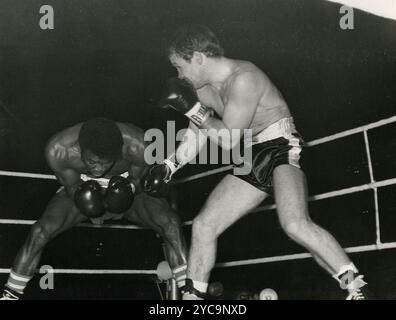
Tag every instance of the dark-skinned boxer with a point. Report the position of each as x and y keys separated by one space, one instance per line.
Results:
x=100 y=164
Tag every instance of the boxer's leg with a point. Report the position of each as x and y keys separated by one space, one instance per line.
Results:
x=291 y=199
x=60 y=215
x=229 y=201
x=156 y=214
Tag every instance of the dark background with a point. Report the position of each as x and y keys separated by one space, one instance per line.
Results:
x=106 y=58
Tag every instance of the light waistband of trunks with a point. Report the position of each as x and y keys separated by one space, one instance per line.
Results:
x=104 y=182
x=282 y=128
x=107 y=216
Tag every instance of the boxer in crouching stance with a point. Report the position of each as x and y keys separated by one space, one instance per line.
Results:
x=100 y=164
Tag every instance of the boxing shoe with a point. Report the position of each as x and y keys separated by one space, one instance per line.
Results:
x=358 y=290
x=9 y=294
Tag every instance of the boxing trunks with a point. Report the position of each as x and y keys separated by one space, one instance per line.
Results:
x=278 y=144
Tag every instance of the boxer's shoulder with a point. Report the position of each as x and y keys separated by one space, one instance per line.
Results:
x=65 y=139
x=62 y=148
x=246 y=73
x=134 y=143
x=129 y=130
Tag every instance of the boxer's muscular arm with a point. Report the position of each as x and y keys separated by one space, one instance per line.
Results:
x=157 y=177
x=191 y=144
x=138 y=167
x=243 y=97
x=136 y=173
x=68 y=177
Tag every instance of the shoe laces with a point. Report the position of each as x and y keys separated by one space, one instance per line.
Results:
x=355 y=291
x=7 y=295
x=356 y=295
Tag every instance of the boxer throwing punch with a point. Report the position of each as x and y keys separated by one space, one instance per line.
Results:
x=217 y=93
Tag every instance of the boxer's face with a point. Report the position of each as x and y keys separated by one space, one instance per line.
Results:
x=190 y=70
x=95 y=165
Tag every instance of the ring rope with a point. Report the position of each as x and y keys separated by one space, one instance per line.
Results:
x=93 y=271
x=367 y=248
x=373 y=247
x=360 y=129
x=27 y=175
x=84 y=224
x=371 y=172
x=341 y=192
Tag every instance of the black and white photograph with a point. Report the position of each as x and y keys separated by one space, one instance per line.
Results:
x=220 y=151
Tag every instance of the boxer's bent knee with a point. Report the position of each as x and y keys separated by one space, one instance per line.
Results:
x=39 y=235
x=297 y=228
x=171 y=227
x=165 y=216
x=204 y=229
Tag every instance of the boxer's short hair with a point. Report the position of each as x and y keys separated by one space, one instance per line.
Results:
x=102 y=137
x=195 y=38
